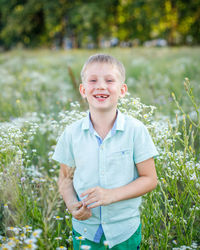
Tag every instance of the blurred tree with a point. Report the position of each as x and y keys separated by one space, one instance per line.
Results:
x=22 y=22
x=134 y=18
x=57 y=19
x=92 y=21
x=38 y=23
x=177 y=21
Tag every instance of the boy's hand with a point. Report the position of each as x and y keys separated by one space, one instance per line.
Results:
x=97 y=195
x=80 y=211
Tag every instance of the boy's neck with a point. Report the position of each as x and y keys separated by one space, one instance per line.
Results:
x=103 y=121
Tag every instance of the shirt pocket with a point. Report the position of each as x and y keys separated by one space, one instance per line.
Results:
x=119 y=168
x=120 y=153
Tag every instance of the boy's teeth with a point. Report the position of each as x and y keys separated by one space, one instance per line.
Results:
x=100 y=96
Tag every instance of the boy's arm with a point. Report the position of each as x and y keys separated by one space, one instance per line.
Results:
x=146 y=182
x=66 y=189
x=65 y=185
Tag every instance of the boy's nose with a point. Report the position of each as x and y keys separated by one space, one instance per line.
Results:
x=101 y=85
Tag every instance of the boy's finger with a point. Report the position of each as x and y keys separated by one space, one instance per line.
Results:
x=78 y=204
x=96 y=204
x=81 y=211
x=89 y=197
x=90 y=201
x=89 y=191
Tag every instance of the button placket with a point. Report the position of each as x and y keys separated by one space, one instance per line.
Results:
x=100 y=164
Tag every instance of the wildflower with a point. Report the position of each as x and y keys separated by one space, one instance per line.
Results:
x=85 y=247
x=69 y=239
x=18 y=101
x=30 y=246
x=61 y=247
x=11 y=243
x=17 y=241
x=194 y=245
x=5 y=205
x=80 y=238
x=30 y=241
x=58 y=238
x=36 y=233
x=5 y=247
x=12 y=238
x=58 y=217
x=67 y=211
x=67 y=217
x=23 y=236
x=16 y=230
x=23 y=179
x=105 y=243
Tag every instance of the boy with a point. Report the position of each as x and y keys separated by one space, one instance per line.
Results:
x=111 y=155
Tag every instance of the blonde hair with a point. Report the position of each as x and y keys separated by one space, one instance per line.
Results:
x=104 y=58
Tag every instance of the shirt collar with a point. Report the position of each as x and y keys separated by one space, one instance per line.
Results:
x=118 y=125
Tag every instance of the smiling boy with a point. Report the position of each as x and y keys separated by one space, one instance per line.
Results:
x=111 y=155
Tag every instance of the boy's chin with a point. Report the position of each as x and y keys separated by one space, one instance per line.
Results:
x=103 y=109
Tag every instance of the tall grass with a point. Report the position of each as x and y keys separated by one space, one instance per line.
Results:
x=36 y=105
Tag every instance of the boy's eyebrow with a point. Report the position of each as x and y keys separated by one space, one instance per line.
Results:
x=92 y=76
x=109 y=75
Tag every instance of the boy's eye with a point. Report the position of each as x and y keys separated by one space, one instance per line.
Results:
x=110 y=80
x=92 y=80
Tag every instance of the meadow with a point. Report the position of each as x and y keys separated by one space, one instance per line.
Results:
x=39 y=97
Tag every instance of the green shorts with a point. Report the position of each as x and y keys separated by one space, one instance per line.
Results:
x=133 y=243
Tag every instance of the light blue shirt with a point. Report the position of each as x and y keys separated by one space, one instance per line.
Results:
x=109 y=164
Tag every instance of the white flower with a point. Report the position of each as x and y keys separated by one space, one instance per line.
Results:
x=6 y=247
x=80 y=238
x=16 y=230
x=85 y=247
x=27 y=229
x=30 y=241
x=36 y=233
x=61 y=248
x=58 y=238
x=31 y=246
x=105 y=243
x=57 y=217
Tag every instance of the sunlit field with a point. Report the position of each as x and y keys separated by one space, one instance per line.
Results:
x=39 y=97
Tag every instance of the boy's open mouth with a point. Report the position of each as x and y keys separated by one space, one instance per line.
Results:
x=101 y=96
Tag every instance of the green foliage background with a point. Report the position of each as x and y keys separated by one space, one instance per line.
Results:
x=32 y=23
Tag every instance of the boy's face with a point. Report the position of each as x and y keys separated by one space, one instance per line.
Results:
x=102 y=86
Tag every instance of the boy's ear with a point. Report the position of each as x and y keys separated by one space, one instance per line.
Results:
x=82 y=90
x=123 y=90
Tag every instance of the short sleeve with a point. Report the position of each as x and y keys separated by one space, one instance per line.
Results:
x=144 y=147
x=63 y=152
